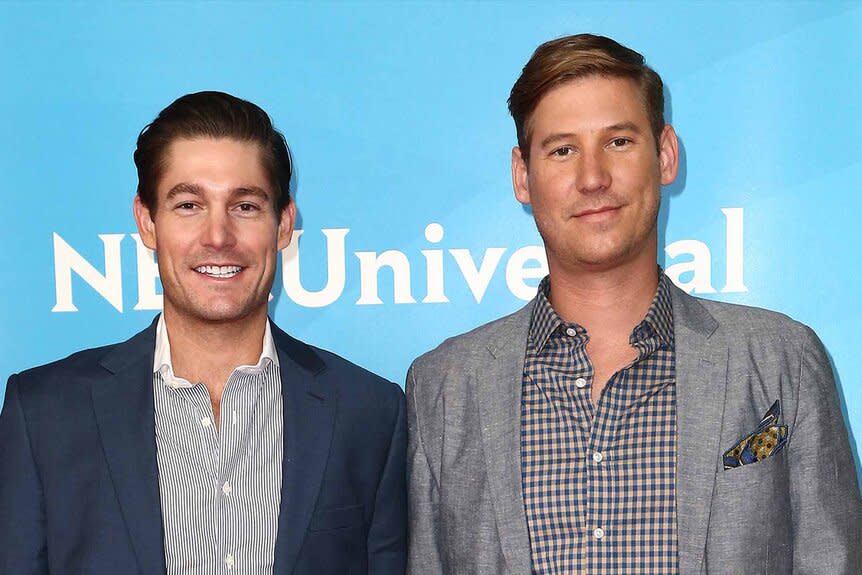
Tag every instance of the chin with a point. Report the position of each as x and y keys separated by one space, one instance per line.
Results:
x=599 y=255
x=224 y=312
x=598 y=262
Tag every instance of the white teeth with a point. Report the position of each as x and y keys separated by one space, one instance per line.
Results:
x=219 y=271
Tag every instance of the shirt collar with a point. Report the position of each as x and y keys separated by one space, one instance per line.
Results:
x=545 y=320
x=658 y=319
x=162 y=359
x=659 y=316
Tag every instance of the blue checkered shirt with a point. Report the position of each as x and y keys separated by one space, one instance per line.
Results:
x=599 y=481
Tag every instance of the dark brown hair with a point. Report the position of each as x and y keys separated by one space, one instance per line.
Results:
x=212 y=115
x=574 y=57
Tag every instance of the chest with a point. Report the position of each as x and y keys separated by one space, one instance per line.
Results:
x=598 y=470
x=220 y=485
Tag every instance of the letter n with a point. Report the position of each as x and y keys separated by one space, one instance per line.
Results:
x=109 y=285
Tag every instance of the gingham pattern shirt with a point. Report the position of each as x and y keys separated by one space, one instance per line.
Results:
x=599 y=482
x=220 y=487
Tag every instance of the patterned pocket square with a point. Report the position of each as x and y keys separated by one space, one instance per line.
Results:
x=767 y=440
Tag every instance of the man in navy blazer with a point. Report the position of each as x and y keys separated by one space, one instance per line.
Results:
x=212 y=441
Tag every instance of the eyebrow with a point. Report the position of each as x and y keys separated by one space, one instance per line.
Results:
x=252 y=191
x=554 y=138
x=183 y=188
x=619 y=127
x=624 y=127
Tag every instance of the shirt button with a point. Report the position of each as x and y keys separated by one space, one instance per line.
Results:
x=570 y=331
x=597 y=456
x=580 y=383
x=206 y=421
x=229 y=561
x=226 y=489
x=598 y=533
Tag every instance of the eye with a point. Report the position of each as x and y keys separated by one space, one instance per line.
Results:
x=563 y=152
x=248 y=207
x=620 y=142
x=185 y=206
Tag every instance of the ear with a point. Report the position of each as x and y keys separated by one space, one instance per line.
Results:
x=668 y=155
x=146 y=225
x=285 y=226
x=519 y=176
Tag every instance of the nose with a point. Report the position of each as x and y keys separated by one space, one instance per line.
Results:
x=593 y=174
x=218 y=230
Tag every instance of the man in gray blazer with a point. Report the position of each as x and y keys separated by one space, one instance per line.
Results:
x=616 y=424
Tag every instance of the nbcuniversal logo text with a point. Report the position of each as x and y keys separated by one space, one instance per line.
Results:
x=476 y=268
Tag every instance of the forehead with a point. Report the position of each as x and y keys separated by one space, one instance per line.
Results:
x=213 y=164
x=588 y=104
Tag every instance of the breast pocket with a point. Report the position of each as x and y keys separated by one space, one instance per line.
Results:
x=334 y=543
x=762 y=473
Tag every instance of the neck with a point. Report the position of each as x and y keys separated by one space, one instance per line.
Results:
x=208 y=352
x=610 y=301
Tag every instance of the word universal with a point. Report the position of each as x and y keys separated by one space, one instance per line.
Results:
x=522 y=267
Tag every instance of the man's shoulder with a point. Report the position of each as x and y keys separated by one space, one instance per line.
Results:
x=503 y=335
x=78 y=361
x=75 y=370
x=356 y=378
x=350 y=378
x=749 y=323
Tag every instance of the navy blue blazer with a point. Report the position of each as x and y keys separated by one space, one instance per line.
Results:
x=79 y=490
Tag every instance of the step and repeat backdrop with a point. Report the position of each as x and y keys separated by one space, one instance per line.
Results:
x=408 y=231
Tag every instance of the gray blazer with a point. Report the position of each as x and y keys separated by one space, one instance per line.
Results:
x=796 y=512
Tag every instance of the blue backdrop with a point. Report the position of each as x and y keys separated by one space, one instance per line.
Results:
x=396 y=115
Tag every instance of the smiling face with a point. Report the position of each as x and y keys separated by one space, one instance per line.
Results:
x=594 y=175
x=215 y=231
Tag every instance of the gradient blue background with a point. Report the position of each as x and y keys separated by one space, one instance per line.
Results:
x=396 y=115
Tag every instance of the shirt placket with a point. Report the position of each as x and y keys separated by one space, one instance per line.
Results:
x=209 y=431
x=238 y=406
x=208 y=455
x=601 y=481
x=226 y=494
x=579 y=412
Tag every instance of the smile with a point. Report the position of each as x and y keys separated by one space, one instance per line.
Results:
x=221 y=272
x=596 y=211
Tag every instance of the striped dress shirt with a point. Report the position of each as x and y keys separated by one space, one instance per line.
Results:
x=599 y=481
x=220 y=487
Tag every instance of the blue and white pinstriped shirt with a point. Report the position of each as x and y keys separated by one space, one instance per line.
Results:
x=599 y=481
x=220 y=487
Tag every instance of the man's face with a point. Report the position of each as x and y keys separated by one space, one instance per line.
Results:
x=215 y=230
x=594 y=174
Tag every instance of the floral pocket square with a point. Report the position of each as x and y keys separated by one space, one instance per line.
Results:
x=767 y=440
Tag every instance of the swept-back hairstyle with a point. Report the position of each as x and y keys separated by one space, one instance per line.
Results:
x=211 y=115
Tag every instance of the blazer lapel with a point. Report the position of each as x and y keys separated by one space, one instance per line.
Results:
x=499 y=390
x=123 y=405
x=701 y=373
x=309 y=417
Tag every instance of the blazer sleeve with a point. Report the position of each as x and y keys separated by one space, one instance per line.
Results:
x=423 y=548
x=387 y=537
x=825 y=498
x=23 y=550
